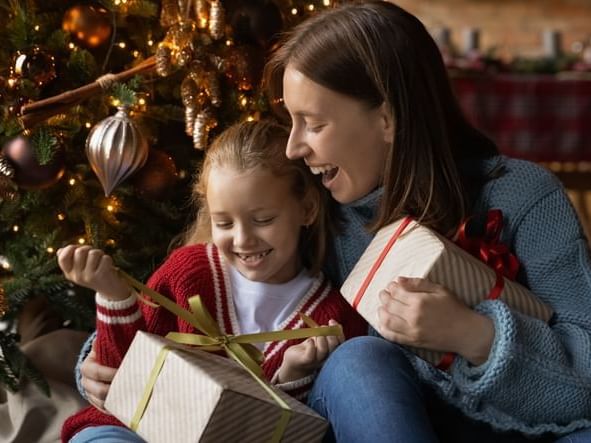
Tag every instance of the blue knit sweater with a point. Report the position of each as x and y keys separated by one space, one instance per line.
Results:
x=538 y=377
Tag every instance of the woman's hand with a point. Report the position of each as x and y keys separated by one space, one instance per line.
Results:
x=96 y=380
x=416 y=312
x=303 y=359
x=92 y=269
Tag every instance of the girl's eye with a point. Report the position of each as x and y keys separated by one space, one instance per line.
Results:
x=264 y=221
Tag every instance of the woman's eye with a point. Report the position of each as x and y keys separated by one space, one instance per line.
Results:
x=223 y=225
x=315 y=129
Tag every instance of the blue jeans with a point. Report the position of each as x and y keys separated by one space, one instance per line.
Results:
x=369 y=392
x=106 y=434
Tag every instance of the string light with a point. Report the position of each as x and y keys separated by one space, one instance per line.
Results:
x=50 y=250
x=15 y=228
x=150 y=42
x=71 y=45
x=250 y=118
x=37 y=27
x=294 y=11
x=110 y=242
x=110 y=208
x=228 y=42
x=88 y=125
x=310 y=7
x=81 y=240
x=122 y=45
x=136 y=53
x=142 y=101
x=72 y=182
x=61 y=216
x=116 y=102
x=326 y=2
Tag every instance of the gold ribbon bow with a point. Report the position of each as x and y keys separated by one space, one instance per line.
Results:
x=238 y=347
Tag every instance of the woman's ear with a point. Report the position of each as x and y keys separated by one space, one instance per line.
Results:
x=387 y=122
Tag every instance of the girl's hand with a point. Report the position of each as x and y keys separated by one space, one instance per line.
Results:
x=416 y=312
x=303 y=359
x=92 y=269
x=96 y=380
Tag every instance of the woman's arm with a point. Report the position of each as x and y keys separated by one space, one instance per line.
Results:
x=536 y=372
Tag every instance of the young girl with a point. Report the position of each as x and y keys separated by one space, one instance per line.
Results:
x=269 y=225
x=372 y=110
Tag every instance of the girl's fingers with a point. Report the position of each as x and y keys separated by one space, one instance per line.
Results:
x=322 y=349
x=65 y=258
x=93 y=260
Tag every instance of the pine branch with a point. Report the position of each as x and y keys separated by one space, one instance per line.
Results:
x=44 y=145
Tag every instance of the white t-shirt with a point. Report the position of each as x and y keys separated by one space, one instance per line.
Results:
x=262 y=307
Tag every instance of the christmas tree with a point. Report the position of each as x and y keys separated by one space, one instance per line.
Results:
x=106 y=109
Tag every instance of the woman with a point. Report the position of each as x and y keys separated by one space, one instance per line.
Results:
x=373 y=112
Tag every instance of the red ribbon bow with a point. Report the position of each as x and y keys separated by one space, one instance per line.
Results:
x=488 y=248
x=493 y=253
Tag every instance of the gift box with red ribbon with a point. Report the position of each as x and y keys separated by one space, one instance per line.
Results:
x=483 y=268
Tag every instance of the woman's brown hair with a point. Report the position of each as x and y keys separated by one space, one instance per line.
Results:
x=377 y=53
x=261 y=144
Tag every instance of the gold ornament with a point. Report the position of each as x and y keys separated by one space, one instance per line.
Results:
x=90 y=25
x=169 y=13
x=204 y=122
x=212 y=88
x=163 y=61
x=190 y=112
x=216 y=20
x=116 y=148
x=202 y=13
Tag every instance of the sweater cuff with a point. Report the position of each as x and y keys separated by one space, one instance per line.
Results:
x=117 y=311
x=86 y=348
x=476 y=379
x=296 y=388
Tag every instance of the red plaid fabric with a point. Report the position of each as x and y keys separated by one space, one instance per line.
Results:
x=536 y=117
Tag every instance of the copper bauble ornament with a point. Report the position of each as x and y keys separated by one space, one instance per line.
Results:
x=35 y=65
x=28 y=172
x=90 y=25
x=158 y=176
x=116 y=148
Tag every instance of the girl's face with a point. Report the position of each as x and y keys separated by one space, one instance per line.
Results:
x=256 y=222
x=337 y=136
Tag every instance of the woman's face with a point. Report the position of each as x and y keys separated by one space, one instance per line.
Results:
x=337 y=136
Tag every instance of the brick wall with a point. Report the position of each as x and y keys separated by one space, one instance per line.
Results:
x=514 y=26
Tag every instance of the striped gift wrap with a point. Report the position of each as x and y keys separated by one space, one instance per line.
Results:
x=420 y=252
x=202 y=397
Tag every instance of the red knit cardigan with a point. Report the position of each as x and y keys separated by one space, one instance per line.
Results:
x=200 y=270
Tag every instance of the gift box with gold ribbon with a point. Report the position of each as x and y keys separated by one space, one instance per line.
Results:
x=407 y=249
x=172 y=389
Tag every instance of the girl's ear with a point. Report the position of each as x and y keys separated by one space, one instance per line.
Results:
x=387 y=123
x=311 y=207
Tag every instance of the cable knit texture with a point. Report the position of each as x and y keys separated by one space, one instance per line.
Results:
x=538 y=376
x=200 y=270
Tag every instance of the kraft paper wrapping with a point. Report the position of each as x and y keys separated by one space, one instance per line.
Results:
x=420 y=252
x=201 y=397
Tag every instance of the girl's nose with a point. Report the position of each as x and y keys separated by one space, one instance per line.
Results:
x=243 y=237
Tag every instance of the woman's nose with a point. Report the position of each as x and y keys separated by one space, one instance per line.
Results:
x=296 y=146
